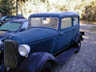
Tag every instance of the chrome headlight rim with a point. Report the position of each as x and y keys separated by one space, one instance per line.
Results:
x=24 y=50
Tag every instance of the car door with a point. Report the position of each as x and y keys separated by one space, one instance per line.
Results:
x=65 y=33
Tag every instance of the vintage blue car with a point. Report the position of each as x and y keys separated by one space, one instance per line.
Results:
x=10 y=28
x=52 y=39
x=5 y=19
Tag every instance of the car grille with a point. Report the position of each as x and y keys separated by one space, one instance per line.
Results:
x=10 y=53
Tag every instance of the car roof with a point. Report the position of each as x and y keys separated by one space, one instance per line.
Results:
x=55 y=14
x=21 y=17
x=19 y=20
x=15 y=16
x=12 y=17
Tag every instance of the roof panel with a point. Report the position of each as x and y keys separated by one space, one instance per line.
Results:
x=58 y=14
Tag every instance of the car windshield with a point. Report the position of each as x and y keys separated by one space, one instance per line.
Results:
x=44 y=22
x=10 y=26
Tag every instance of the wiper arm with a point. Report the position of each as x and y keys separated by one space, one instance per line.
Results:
x=4 y=30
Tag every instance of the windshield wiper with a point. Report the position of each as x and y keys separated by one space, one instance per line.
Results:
x=4 y=30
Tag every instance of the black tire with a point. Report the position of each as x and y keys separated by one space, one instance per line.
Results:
x=78 y=46
x=47 y=67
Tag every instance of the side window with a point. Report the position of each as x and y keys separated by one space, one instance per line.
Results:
x=66 y=22
x=75 y=20
x=25 y=25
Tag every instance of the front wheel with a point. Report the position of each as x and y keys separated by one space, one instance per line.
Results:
x=47 y=67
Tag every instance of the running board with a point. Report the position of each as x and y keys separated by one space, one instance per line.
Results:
x=63 y=57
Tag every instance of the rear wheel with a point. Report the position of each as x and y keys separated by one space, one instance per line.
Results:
x=78 y=45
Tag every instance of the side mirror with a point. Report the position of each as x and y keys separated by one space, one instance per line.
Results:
x=23 y=29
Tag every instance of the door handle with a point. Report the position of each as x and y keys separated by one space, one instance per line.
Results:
x=61 y=33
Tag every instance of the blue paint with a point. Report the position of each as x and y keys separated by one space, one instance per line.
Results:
x=39 y=37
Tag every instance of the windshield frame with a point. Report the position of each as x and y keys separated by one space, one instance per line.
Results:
x=58 y=23
x=2 y=18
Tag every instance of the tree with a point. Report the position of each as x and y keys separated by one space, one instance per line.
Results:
x=90 y=11
x=19 y=5
x=7 y=6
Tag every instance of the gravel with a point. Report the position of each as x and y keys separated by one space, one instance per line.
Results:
x=85 y=60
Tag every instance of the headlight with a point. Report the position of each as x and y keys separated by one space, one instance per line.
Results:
x=24 y=50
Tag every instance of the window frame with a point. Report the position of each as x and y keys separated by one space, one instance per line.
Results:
x=73 y=20
x=47 y=17
x=25 y=25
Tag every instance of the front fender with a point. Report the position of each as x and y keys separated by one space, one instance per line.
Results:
x=35 y=62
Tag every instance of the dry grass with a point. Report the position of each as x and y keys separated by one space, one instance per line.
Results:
x=86 y=22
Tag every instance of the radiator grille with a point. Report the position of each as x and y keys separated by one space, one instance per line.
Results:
x=10 y=53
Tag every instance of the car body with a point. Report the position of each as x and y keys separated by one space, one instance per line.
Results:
x=50 y=36
x=10 y=28
x=5 y=19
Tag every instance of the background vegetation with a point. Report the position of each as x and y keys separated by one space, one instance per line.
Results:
x=7 y=7
x=86 y=8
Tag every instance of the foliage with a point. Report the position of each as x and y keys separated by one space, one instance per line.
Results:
x=85 y=8
x=7 y=6
x=90 y=12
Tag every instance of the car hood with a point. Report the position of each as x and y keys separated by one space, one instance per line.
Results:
x=34 y=34
x=5 y=34
x=2 y=34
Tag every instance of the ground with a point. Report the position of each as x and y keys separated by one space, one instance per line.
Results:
x=85 y=60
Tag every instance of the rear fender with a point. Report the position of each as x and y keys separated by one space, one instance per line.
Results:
x=35 y=62
x=79 y=37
